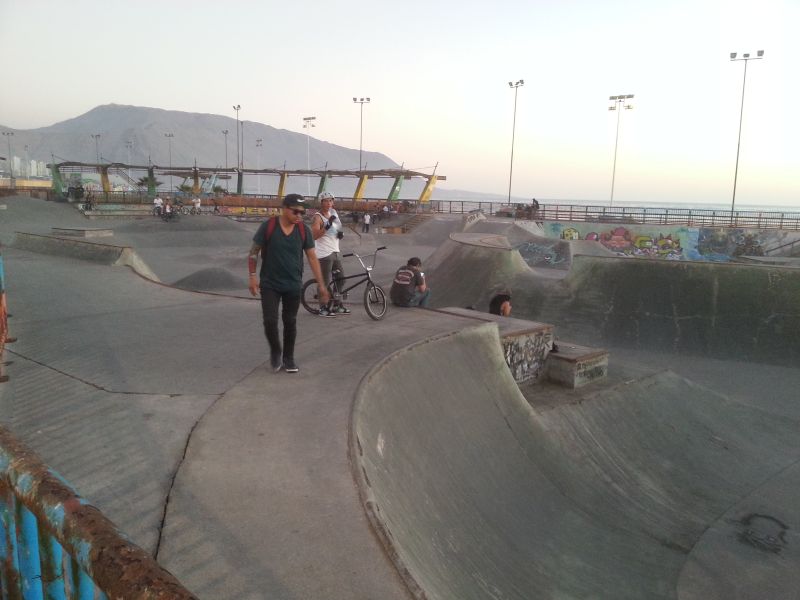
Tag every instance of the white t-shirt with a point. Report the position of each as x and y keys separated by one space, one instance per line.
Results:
x=196 y=202
x=329 y=242
x=158 y=201
x=367 y=219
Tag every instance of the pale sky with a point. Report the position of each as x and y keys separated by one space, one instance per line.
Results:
x=438 y=73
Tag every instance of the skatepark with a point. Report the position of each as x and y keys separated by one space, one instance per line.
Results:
x=404 y=460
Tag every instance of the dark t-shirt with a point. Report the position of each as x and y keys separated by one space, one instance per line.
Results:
x=282 y=257
x=405 y=284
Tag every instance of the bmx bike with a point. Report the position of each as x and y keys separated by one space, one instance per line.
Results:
x=375 y=302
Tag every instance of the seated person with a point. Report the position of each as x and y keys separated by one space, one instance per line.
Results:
x=409 y=287
x=500 y=304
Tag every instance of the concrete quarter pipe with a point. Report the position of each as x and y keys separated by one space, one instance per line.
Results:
x=657 y=488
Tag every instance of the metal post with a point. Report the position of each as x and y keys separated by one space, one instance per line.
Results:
x=129 y=146
x=516 y=87
x=237 y=108
x=258 y=162
x=169 y=137
x=308 y=123
x=619 y=104
x=9 y=162
x=362 y=102
x=227 y=179
x=96 y=137
x=746 y=58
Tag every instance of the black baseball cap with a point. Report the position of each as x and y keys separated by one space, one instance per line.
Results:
x=294 y=200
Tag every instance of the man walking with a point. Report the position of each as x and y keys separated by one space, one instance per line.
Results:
x=409 y=287
x=281 y=241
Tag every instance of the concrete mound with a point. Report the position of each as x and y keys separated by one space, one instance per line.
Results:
x=211 y=279
x=465 y=268
x=653 y=489
x=105 y=254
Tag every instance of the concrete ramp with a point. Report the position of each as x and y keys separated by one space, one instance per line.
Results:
x=106 y=254
x=654 y=489
x=745 y=312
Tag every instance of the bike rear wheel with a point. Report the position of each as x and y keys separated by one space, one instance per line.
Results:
x=309 y=296
x=375 y=301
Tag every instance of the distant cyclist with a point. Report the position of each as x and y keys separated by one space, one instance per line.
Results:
x=327 y=229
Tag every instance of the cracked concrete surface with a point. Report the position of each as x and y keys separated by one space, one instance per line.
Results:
x=111 y=374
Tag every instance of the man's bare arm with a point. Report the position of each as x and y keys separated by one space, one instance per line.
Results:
x=317 y=226
x=252 y=264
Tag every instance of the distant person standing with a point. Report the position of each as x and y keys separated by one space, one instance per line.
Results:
x=327 y=227
x=158 y=205
x=366 y=222
x=281 y=242
x=500 y=304
x=534 y=209
x=409 y=287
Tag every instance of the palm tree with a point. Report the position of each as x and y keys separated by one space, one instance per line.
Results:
x=145 y=182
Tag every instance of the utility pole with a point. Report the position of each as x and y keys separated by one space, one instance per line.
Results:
x=619 y=104
x=362 y=102
x=516 y=87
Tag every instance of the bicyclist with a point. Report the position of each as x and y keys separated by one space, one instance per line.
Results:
x=409 y=287
x=326 y=226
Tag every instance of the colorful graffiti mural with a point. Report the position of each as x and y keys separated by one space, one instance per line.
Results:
x=623 y=241
x=677 y=242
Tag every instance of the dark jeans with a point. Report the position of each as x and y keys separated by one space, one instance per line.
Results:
x=269 y=308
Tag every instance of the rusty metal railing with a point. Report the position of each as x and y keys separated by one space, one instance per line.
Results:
x=55 y=546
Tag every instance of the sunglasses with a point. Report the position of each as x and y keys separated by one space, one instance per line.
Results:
x=297 y=211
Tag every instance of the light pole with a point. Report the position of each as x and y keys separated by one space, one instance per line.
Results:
x=516 y=87
x=129 y=146
x=258 y=162
x=619 y=104
x=745 y=58
x=362 y=102
x=308 y=123
x=227 y=177
x=237 y=108
x=96 y=137
x=169 y=137
x=9 y=162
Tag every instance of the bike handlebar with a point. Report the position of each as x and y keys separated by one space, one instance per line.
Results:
x=354 y=254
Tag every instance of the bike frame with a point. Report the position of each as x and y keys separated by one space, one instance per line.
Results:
x=365 y=276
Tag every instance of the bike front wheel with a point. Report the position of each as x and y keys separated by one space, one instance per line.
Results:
x=309 y=296
x=375 y=301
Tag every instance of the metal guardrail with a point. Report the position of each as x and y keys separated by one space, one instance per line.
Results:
x=651 y=216
x=55 y=546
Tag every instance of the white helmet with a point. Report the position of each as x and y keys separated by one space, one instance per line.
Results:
x=326 y=196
